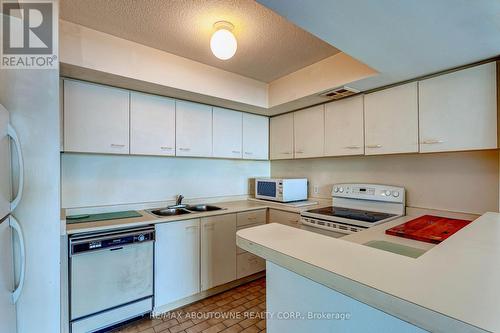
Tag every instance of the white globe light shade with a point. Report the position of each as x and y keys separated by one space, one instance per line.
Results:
x=223 y=44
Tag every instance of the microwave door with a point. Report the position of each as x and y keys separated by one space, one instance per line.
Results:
x=5 y=165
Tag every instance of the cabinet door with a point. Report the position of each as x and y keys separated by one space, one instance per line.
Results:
x=458 y=111
x=255 y=137
x=309 y=126
x=227 y=131
x=391 y=120
x=248 y=264
x=96 y=118
x=282 y=217
x=282 y=137
x=152 y=125
x=218 y=250
x=193 y=129
x=344 y=128
x=177 y=261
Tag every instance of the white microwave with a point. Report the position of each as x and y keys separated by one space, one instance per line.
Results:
x=281 y=189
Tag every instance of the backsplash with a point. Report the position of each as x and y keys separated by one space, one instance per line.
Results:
x=100 y=180
x=463 y=182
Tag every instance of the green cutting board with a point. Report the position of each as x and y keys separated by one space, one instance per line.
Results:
x=84 y=218
x=403 y=250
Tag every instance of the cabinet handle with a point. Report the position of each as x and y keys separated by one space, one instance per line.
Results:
x=352 y=147
x=431 y=142
x=374 y=146
x=236 y=152
x=166 y=148
x=114 y=145
x=287 y=153
x=209 y=226
x=191 y=227
x=248 y=153
x=184 y=149
x=299 y=152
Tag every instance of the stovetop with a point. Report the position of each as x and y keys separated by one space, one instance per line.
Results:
x=352 y=214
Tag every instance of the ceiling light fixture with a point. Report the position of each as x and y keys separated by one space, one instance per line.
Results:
x=223 y=43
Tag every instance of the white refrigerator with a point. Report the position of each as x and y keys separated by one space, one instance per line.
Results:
x=10 y=229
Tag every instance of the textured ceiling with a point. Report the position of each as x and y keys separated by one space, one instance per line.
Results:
x=268 y=45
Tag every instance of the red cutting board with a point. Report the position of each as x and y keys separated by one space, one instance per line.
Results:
x=428 y=228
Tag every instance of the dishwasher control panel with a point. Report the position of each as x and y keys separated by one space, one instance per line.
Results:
x=110 y=240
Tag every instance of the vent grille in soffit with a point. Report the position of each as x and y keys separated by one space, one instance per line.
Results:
x=339 y=93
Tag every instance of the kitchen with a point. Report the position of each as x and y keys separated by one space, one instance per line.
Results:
x=234 y=166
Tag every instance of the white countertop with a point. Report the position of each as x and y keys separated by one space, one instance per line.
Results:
x=453 y=287
x=147 y=218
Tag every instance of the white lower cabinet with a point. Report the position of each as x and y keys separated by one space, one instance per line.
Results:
x=177 y=261
x=218 y=250
x=248 y=264
x=287 y=218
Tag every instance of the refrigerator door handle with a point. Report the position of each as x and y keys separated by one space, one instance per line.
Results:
x=14 y=224
x=13 y=135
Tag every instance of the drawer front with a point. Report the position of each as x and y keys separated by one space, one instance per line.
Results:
x=240 y=250
x=287 y=218
x=248 y=264
x=251 y=217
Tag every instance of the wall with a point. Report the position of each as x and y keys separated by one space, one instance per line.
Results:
x=462 y=181
x=290 y=91
x=97 y=180
x=32 y=98
x=87 y=48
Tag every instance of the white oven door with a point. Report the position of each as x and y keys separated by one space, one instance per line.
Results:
x=108 y=278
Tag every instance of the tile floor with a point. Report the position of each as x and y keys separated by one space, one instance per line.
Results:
x=241 y=309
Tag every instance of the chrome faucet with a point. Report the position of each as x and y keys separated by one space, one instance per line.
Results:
x=178 y=202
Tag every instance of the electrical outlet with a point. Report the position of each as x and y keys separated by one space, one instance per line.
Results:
x=316 y=189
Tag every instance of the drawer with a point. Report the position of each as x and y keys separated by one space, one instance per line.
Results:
x=251 y=217
x=248 y=264
x=287 y=218
x=238 y=249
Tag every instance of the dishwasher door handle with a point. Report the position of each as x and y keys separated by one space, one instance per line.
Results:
x=116 y=248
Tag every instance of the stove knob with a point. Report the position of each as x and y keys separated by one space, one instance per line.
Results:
x=336 y=189
x=387 y=193
x=341 y=189
x=141 y=238
x=395 y=194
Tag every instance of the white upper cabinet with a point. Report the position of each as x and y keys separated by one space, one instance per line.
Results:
x=344 y=127
x=391 y=120
x=152 y=125
x=193 y=129
x=96 y=118
x=458 y=111
x=309 y=132
x=255 y=137
x=227 y=131
x=282 y=137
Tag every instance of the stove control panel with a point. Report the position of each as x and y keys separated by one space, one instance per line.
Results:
x=375 y=192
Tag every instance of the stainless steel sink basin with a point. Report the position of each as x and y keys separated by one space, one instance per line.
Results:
x=169 y=211
x=202 y=208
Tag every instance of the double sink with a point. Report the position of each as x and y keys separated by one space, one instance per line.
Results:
x=183 y=209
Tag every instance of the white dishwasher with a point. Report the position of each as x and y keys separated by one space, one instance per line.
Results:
x=111 y=278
